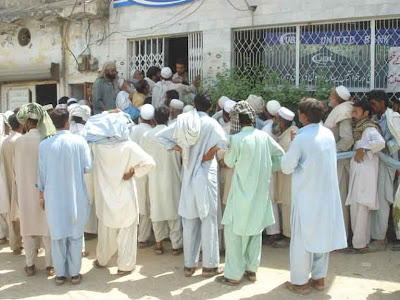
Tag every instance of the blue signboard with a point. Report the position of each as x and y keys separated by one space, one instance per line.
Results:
x=150 y=3
x=389 y=37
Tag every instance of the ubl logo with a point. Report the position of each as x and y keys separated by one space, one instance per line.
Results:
x=151 y=3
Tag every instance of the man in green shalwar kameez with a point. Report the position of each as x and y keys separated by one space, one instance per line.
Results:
x=254 y=155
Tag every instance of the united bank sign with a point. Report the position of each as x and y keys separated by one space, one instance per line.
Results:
x=150 y=3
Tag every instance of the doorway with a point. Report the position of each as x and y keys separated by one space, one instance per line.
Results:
x=46 y=94
x=177 y=49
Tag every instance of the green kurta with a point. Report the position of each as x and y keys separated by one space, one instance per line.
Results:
x=254 y=155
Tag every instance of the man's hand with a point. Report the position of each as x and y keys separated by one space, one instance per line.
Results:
x=178 y=149
x=292 y=134
x=129 y=175
x=359 y=155
x=210 y=154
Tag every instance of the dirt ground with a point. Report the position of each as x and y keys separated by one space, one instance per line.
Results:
x=370 y=276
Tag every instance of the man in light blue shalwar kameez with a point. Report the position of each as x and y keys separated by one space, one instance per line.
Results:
x=65 y=157
x=198 y=137
x=317 y=222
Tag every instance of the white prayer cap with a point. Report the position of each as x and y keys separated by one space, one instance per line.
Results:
x=177 y=104
x=120 y=83
x=343 y=92
x=48 y=107
x=82 y=111
x=229 y=105
x=286 y=113
x=61 y=106
x=222 y=100
x=147 y=112
x=71 y=107
x=272 y=107
x=166 y=73
x=72 y=100
x=188 y=108
x=256 y=102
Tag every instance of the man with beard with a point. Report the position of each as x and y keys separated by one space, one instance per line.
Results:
x=105 y=89
x=364 y=168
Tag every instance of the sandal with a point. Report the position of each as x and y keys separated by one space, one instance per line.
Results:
x=97 y=265
x=226 y=281
x=251 y=276
x=60 y=280
x=159 y=249
x=177 y=251
x=123 y=273
x=298 y=289
x=318 y=284
x=30 y=271
x=211 y=272
x=50 y=271
x=75 y=280
x=189 y=271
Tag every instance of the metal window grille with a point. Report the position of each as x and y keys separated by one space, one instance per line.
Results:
x=361 y=55
x=147 y=52
x=268 y=50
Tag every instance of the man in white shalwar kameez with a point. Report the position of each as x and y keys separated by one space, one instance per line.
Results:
x=389 y=121
x=8 y=164
x=198 y=137
x=142 y=184
x=164 y=186
x=175 y=109
x=339 y=121
x=270 y=111
x=317 y=225
x=283 y=182
x=220 y=110
x=34 y=226
x=115 y=191
x=67 y=205
x=4 y=206
x=364 y=168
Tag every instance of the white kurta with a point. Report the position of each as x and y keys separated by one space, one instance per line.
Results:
x=8 y=162
x=142 y=184
x=363 y=187
x=4 y=195
x=165 y=180
x=116 y=199
x=33 y=217
x=315 y=198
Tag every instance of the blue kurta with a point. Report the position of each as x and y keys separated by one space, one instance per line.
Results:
x=316 y=200
x=63 y=160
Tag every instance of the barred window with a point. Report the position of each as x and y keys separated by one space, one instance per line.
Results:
x=361 y=55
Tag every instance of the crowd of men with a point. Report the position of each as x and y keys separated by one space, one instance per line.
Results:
x=144 y=167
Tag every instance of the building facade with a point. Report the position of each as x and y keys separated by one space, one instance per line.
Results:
x=354 y=43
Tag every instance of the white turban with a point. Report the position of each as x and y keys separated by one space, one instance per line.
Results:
x=343 y=92
x=122 y=101
x=272 y=107
x=147 y=112
x=229 y=105
x=177 y=104
x=166 y=73
x=82 y=111
x=256 y=103
x=71 y=107
x=286 y=113
x=222 y=100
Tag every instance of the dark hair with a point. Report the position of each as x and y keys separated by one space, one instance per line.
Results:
x=202 y=101
x=141 y=86
x=180 y=61
x=148 y=100
x=312 y=109
x=34 y=122
x=153 y=71
x=63 y=100
x=378 y=95
x=244 y=119
x=364 y=105
x=161 y=114
x=77 y=119
x=172 y=94
x=59 y=117
x=226 y=114
x=13 y=121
